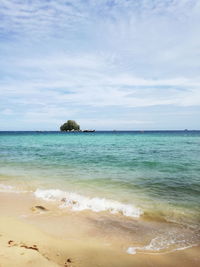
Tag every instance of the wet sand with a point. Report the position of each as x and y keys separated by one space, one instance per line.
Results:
x=37 y=233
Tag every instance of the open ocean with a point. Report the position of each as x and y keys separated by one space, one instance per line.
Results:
x=149 y=176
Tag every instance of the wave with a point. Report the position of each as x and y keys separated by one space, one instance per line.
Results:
x=133 y=250
x=6 y=188
x=10 y=189
x=78 y=202
x=166 y=243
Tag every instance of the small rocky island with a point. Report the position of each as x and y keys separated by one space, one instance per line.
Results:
x=72 y=126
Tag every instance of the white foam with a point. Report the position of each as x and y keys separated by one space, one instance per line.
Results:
x=78 y=202
x=10 y=189
x=132 y=250
x=6 y=188
x=161 y=244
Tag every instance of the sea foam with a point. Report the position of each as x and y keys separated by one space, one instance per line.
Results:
x=10 y=189
x=164 y=243
x=78 y=202
x=6 y=188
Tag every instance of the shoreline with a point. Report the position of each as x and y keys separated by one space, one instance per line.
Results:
x=48 y=237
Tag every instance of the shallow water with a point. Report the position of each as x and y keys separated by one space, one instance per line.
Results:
x=152 y=176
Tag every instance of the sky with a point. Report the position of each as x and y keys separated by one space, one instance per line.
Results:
x=108 y=64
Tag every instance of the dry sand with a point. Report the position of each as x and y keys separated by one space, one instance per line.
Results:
x=32 y=236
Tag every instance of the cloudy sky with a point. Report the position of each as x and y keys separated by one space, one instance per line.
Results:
x=108 y=64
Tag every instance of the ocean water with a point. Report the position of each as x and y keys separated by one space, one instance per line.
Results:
x=147 y=176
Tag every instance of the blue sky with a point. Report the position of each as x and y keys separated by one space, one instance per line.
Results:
x=108 y=64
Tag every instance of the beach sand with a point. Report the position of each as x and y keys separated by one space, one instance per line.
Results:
x=33 y=236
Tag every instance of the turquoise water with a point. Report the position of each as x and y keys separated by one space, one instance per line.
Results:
x=155 y=172
x=162 y=166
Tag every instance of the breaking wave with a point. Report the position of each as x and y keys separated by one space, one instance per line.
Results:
x=78 y=202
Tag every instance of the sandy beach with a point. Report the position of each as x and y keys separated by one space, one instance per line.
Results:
x=34 y=233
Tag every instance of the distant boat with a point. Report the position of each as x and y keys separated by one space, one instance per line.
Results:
x=88 y=131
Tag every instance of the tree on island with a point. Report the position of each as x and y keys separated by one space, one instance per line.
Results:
x=70 y=125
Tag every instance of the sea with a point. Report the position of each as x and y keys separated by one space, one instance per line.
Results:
x=148 y=177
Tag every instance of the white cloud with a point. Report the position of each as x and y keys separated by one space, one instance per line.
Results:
x=113 y=124
x=6 y=111
x=60 y=57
